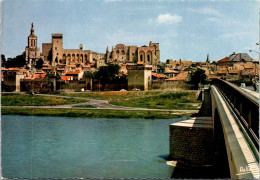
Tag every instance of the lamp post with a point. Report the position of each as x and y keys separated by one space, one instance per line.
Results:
x=254 y=51
x=255 y=62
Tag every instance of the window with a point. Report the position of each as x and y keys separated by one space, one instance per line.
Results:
x=117 y=51
x=55 y=48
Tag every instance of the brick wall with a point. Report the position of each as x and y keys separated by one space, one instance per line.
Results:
x=191 y=144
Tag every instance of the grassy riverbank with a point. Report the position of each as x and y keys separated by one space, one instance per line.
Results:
x=149 y=99
x=35 y=100
x=93 y=113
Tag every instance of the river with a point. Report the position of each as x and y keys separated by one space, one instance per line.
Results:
x=63 y=147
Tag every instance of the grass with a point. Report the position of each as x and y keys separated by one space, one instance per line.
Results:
x=149 y=99
x=96 y=113
x=35 y=100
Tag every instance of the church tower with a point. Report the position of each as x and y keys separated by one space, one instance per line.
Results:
x=207 y=61
x=107 y=55
x=31 y=50
x=32 y=39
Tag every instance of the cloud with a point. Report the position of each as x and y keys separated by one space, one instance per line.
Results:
x=166 y=19
x=205 y=10
x=235 y=35
x=213 y=19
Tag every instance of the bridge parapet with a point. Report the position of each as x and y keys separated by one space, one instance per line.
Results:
x=242 y=155
x=244 y=105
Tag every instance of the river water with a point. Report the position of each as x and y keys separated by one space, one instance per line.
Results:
x=62 y=147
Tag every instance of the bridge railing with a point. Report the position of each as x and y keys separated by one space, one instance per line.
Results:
x=244 y=105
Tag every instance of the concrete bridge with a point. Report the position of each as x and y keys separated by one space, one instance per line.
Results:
x=235 y=115
x=230 y=142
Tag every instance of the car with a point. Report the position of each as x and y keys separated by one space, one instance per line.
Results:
x=123 y=90
x=136 y=89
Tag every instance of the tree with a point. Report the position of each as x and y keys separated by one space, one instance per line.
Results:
x=39 y=64
x=3 y=60
x=198 y=77
x=107 y=73
x=18 y=61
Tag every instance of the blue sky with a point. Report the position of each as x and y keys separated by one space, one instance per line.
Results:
x=185 y=29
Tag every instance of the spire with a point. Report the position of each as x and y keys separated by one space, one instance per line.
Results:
x=208 y=61
x=107 y=49
x=32 y=30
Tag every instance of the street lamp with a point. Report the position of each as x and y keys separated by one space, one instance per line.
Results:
x=255 y=62
x=254 y=51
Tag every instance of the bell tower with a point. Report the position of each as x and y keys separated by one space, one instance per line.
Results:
x=32 y=39
x=32 y=52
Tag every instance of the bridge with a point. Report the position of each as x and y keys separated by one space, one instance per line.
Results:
x=235 y=115
x=231 y=115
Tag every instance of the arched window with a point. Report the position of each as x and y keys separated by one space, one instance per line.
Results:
x=117 y=51
x=141 y=58
x=123 y=52
x=148 y=58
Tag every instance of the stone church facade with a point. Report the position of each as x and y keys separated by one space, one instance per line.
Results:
x=149 y=55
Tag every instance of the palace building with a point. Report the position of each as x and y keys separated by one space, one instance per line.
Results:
x=149 y=55
x=54 y=53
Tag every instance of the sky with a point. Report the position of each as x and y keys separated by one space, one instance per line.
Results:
x=185 y=29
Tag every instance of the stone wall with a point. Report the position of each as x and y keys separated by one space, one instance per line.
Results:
x=139 y=76
x=191 y=141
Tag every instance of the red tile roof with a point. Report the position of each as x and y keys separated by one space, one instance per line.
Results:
x=223 y=60
x=72 y=72
x=180 y=77
x=159 y=76
x=66 y=78
x=39 y=76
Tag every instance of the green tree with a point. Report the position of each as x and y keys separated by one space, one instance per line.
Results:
x=106 y=74
x=18 y=61
x=197 y=77
x=39 y=64
x=3 y=60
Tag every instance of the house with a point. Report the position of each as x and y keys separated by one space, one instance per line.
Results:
x=180 y=77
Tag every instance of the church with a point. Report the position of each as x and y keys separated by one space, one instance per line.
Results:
x=149 y=55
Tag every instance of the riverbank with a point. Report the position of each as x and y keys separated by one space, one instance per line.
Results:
x=186 y=99
x=94 y=113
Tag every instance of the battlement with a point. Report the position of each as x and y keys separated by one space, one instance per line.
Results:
x=56 y=35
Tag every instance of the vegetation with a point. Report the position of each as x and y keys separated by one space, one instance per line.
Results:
x=149 y=99
x=39 y=64
x=18 y=61
x=34 y=100
x=198 y=77
x=106 y=74
x=96 y=113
